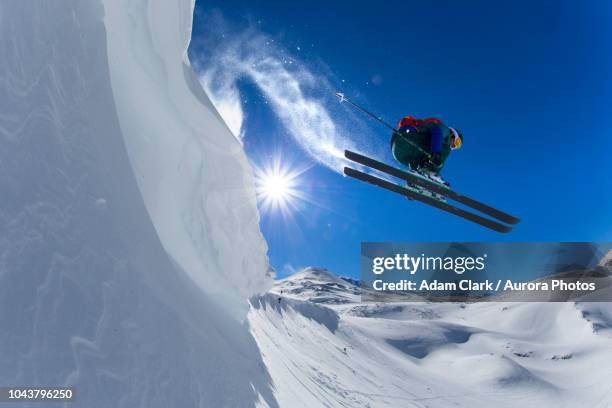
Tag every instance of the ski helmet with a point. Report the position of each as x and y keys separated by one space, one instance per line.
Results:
x=456 y=139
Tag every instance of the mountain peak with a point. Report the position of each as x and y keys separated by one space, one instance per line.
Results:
x=318 y=285
x=606 y=261
x=314 y=273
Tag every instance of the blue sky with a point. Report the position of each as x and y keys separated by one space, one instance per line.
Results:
x=527 y=83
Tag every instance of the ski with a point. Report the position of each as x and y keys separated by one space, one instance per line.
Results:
x=431 y=186
x=485 y=222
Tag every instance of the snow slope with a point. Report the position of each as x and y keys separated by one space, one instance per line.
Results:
x=319 y=286
x=341 y=352
x=193 y=174
x=127 y=211
x=129 y=243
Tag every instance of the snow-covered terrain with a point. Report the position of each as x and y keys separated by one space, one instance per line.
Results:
x=193 y=174
x=129 y=245
x=127 y=212
x=325 y=348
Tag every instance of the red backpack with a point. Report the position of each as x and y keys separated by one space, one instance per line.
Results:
x=410 y=121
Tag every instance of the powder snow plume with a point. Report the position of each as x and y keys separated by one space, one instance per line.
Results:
x=301 y=98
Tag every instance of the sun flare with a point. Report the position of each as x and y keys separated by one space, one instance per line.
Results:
x=278 y=187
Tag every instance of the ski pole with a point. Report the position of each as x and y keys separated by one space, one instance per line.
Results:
x=381 y=121
x=364 y=110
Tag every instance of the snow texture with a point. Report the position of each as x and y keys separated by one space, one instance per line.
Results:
x=129 y=243
x=127 y=211
x=325 y=348
x=193 y=174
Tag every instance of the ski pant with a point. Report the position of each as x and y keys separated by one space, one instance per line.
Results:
x=436 y=137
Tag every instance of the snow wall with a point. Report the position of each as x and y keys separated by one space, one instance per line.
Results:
x=129 y=238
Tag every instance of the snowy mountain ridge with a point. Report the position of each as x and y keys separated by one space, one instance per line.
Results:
x=318 y=285
x=606 y=261
x=324 y=347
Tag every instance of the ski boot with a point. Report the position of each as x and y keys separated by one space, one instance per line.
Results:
x=431 y=176
x=430 y=167
x=427 y=172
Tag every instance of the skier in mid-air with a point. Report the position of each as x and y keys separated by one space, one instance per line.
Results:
x=424 y=144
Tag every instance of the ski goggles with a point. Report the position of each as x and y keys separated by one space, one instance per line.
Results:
x=455 y=142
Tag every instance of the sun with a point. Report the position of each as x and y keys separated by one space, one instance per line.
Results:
x=278 y=187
